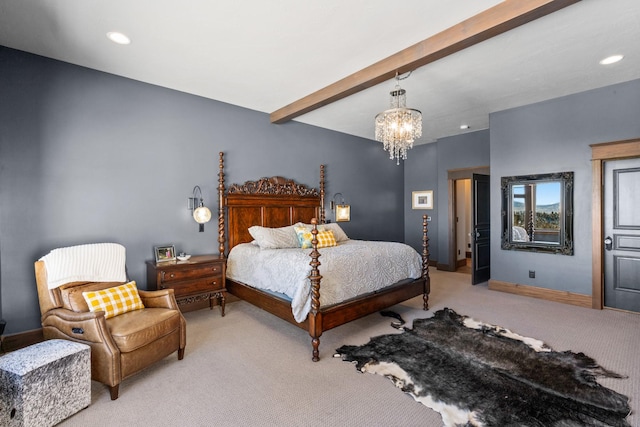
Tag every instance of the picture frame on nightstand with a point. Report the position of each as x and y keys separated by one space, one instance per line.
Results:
x=165 y=253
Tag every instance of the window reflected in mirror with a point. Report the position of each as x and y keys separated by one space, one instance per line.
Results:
x=537 y=213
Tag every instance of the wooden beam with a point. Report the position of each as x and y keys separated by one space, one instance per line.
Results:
x=497 y=20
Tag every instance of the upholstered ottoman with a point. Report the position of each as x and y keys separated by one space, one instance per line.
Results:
x=45 y=383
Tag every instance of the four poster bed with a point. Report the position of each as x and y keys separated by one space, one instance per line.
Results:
x=276 y=206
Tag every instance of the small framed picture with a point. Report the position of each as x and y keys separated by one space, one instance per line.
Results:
x=165 y=253
x=422 y=199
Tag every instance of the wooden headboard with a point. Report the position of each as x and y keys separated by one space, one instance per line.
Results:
x=268 y=202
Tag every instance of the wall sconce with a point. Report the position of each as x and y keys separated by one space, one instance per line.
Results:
x=201 y=213
x=341 y=211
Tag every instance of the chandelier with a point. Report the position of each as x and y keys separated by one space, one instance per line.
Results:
x=398 y=126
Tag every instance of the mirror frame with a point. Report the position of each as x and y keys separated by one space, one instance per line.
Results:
x=565 y=245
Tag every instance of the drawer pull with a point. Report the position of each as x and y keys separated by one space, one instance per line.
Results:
x=172 y=275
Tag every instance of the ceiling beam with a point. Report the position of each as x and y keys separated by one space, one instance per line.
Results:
x=487 y=24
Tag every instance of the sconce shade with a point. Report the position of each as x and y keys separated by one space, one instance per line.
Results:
x=343 y=213
x=202 y=214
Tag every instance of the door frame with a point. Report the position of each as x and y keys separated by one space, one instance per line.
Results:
x=453 y=175
x=600 y=153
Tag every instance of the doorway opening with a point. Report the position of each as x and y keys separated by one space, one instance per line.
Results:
x=462 y=250
x=462 y=190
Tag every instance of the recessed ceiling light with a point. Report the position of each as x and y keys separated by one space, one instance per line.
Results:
x=463 y=127
x=119 y=38
x=611 y=59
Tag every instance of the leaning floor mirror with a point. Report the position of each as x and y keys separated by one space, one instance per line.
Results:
x=537 y=213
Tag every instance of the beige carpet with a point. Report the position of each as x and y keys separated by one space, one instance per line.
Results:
x=253 y=369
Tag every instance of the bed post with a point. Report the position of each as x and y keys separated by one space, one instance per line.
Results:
x=314 y=316
x=221 y=236
x=425 y=262
x=322 y=217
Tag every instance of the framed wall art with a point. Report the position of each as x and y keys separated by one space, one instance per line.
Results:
x=422 y=199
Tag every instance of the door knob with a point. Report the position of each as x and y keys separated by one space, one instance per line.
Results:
x=608 y=243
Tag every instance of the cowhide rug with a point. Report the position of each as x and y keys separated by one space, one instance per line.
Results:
x=475 y=374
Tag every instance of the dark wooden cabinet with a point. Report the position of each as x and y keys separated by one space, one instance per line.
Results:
x=200 y=278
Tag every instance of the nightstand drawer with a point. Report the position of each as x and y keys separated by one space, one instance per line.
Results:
x=196 y=282
x=174 y=275
x=196 y=286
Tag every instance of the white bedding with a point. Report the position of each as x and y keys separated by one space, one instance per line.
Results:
x=352 y=268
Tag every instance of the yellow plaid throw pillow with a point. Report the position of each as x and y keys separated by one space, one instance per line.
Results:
x=114 y=301
x=325 y=237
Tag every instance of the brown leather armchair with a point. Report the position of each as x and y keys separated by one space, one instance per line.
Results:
x=122 y=345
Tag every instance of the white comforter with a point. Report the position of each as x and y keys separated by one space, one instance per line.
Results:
x=352 y=268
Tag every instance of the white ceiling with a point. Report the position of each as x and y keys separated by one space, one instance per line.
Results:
x=263 y=55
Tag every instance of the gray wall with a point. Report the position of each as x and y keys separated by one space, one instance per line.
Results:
x=554 y=136
x=464 y=151
x=421 y=173
x=90 y=157
x=427 y=169
x=550 y=136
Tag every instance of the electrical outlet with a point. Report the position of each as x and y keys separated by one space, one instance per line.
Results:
x=532 y=274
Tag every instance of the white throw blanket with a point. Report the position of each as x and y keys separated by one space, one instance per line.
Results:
x=98 y=262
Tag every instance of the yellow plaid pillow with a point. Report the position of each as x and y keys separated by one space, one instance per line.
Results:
x=325 y=237
x=114 y=301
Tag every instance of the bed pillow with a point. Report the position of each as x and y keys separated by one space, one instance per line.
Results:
x=274 y=238
x=338 y=232
x=325 y=237
x=114 y=301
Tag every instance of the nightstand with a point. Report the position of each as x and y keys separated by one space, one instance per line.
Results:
x=198 y=279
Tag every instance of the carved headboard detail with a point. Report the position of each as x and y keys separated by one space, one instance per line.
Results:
x=275 y=185
x=268 y=202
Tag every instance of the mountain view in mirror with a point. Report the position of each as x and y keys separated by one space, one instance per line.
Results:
x=537 y=213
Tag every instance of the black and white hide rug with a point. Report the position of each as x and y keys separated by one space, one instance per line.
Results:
x=475 y=374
